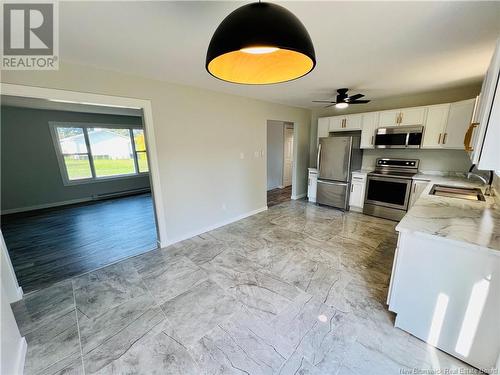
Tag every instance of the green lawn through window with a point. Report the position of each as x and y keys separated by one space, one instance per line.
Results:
x=80 y=168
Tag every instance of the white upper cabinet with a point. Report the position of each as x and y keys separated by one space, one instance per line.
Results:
x=353 y=122
x=389 y=118
x=446 y=125
x=459 y=119
x=369 y=123
x=412 y=116
x=345 y=123
x=435 y=125
x=481 y=140
x=337 y=123
x=404 y=116
x=323 y=126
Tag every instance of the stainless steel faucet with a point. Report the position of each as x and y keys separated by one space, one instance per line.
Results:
x=487 y=182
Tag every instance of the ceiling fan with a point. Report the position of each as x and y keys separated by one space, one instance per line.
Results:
x=343 y=100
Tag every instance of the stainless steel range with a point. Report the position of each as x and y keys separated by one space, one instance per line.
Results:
x=388 y=188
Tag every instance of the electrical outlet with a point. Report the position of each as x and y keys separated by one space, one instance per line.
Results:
x=242 y=155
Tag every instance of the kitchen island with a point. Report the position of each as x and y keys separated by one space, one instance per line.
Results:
x=445 y=283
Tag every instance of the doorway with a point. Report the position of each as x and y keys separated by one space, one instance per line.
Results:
x=87 y=200
x=280 y=161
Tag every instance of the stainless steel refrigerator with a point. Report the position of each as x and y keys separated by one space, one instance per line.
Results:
x=338 y=156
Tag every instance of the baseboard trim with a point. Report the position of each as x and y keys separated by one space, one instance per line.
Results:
x=21 y=356
x=214 y=226
x=295 y=197
x=72 y=201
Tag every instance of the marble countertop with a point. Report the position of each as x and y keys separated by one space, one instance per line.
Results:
x=471 y=222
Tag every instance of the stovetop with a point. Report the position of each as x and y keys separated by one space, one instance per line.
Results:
x=398 y=168
x=398 y=174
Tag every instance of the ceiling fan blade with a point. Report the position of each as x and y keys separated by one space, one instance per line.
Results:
x=359 y=102
x=326 y=106
x=323 y=101
x=354 y=97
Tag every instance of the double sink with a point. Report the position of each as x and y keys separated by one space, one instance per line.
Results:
x=473 y=194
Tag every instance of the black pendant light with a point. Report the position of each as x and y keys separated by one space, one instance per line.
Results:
x=260 y=43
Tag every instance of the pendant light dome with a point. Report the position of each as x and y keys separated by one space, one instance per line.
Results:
x=260 y=43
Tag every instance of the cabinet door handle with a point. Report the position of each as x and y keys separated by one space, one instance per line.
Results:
x=444 y=138
x=352 y=187
x=468 y=136
x=439 y=138
x=414 y=188
x=372 y=139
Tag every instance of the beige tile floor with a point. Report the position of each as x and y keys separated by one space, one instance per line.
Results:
x=298 y=289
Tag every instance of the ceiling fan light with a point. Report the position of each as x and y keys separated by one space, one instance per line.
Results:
x=341 y=105
x=278 y=49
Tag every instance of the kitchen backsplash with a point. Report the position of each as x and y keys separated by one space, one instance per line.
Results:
x=430 y=160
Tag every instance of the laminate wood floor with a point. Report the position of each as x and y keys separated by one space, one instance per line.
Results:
x=277 y=196
x=51 y=245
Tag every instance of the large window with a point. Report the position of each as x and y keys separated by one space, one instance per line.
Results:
x=89 y=153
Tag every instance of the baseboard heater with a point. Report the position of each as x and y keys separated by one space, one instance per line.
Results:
x=77 y=201
x=121 y=193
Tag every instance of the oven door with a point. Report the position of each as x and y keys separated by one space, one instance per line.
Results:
x=390 y=192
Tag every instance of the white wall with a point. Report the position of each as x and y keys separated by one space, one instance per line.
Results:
x=274 y=154
x=199 y=135
x=33 y=179
x=11 y=291
x=430 y=160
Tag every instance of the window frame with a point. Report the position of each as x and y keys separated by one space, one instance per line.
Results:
x=53 y=125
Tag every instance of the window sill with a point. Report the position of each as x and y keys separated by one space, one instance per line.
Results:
x=104 y=179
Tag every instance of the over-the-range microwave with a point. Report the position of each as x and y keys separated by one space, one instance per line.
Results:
x=399 y=137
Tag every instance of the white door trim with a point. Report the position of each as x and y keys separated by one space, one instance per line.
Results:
x=295 y=154
x=283 y=184
x=112 y=101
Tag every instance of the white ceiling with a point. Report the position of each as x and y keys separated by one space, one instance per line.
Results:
x=35 y=103
x=381 y=49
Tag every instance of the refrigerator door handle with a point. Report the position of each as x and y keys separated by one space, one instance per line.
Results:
x=332 y=183
x=318 y=157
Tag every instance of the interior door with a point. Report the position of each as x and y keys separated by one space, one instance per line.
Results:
x=334 y=155
x=287 y=156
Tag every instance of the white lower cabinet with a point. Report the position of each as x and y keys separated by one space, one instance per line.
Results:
x=446 y=293
x=312 y=184
x=357 y=193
